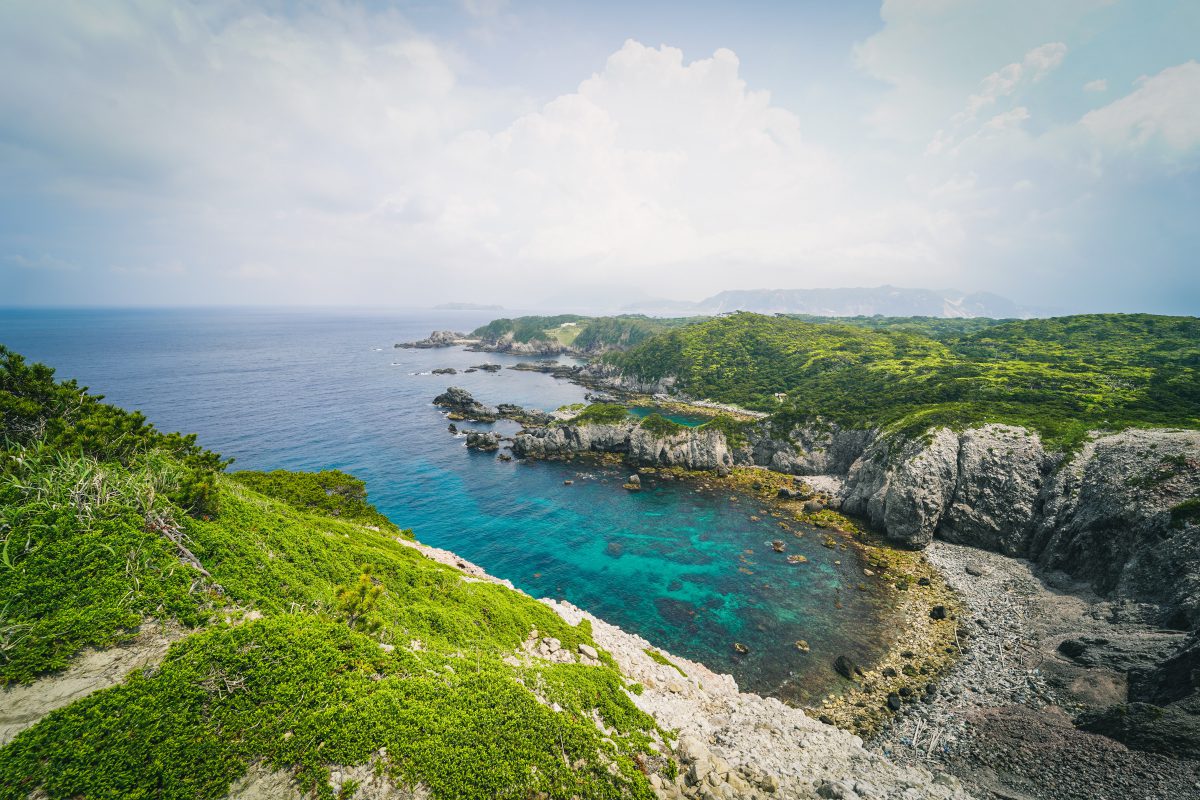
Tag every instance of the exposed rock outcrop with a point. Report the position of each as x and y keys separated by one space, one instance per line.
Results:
x=1102 y=514
x=485 y=441
x=459 y=401
x=690 y=448
x=439 y=339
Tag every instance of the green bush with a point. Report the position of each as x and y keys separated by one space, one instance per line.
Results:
x=332 y=493
x=601 y=414
x=660 y=425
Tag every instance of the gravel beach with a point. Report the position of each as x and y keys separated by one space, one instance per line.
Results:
x=1001 y=718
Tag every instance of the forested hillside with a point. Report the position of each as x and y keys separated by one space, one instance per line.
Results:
x=1060 y=376
x=585 y=334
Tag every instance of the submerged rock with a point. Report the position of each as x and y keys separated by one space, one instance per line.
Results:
x=843 y=666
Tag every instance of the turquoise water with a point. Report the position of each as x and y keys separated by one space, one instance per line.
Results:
x=690 y=420
x=687 y=569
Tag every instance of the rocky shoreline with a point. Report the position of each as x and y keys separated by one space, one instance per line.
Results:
x=1002 y=722
x=733 y=745
x=1104 y=518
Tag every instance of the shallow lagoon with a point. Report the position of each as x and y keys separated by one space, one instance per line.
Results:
x=687 y=569
x=678 y=417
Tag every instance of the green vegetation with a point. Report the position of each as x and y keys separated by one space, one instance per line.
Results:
x=933 y=327
x=1060 y=376
x=600 y=414
x=523 y=329
x=659 y=658
x=587 y=334
x=660 y=426
x=1186 y=513
x=332 y=493
x=734 y=430
x=363 y=643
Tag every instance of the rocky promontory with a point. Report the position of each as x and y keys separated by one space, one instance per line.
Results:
x=462 y=405
x=440 y=339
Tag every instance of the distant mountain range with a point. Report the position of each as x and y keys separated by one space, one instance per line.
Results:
x=888 y=301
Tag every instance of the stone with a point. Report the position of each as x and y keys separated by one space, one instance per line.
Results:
x=937 y=612
x=589 y=651
x=486 y=441
x=976 y=569
x=843 y=666
x=1072 y=648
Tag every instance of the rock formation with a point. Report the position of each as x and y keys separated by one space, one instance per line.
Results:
x=439 y=339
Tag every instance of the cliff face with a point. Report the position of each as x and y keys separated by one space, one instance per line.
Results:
x=691 y=449
x=1102 y=514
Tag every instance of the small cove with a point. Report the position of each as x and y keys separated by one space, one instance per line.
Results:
x=684 y=566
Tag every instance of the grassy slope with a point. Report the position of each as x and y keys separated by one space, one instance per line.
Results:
x=90 y=550
x=1059 y=376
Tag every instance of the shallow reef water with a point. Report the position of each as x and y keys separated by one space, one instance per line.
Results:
x=686 y=567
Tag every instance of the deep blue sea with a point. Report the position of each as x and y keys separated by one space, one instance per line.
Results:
x=315 y=389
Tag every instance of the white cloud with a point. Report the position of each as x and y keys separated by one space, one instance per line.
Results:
x=1096 y=86
x=656 y=161
x=1161 y=117
x=337 y=154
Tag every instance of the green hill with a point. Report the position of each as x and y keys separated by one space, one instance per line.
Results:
x=317 y=638
x=585 y=334
x=1060 y=376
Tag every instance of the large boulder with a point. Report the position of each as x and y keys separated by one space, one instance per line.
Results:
x=1163 y=712
x=904 y=487
x=460 y=401
x=487 y=441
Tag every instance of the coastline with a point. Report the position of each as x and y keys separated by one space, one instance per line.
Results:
x=1001 y=711
x=733 y=744
x=920 y=648
x=1002 y=720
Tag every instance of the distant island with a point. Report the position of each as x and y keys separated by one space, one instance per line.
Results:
x=467 y=307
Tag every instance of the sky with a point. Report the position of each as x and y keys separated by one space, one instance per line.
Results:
x=535 y=154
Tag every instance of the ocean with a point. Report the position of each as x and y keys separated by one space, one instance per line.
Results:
x=313 y=389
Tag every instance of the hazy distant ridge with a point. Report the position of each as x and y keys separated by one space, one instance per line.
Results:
x=888 y=301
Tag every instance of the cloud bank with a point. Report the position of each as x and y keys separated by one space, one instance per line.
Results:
x=233 y=153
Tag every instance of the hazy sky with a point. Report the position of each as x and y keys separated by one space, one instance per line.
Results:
x=515 y=152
